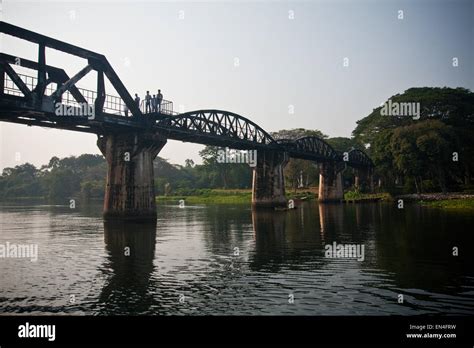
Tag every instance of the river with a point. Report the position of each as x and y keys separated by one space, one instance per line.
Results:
x=227 y=259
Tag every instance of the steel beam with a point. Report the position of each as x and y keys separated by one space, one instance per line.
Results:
x=71 y=82
x=31 y=36
x=99 y=102
x=16 y=79
x=41 y=84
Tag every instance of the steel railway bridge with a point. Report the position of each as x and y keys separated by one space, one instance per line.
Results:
x=130 y=139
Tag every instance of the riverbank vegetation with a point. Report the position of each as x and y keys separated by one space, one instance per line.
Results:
x=229 y=196
x=356 y=195
x=458 y=204
x=60 y=179
x=215 y=196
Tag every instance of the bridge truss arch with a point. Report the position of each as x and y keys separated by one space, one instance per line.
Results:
x=310 y=148
x=359 y=159
x=217 y=127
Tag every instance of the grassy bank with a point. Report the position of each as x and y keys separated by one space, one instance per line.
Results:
x=220 y=196
x=459 y=204
x=356 y=196
x=214 y=196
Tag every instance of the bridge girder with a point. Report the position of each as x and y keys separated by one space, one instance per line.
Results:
x=95 y=61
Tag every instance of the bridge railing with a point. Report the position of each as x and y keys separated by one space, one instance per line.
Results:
x=166 y=107
x=112 y=105
x=11 y=89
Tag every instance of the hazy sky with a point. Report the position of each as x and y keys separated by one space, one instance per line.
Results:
x=290 y=57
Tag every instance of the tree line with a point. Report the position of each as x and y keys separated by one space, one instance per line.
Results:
x=84 y=177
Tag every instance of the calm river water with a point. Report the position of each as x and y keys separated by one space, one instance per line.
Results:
x=226 y=259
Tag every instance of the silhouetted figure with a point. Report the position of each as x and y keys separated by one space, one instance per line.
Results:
x=154 y=103
x=159 y=99
x=147 y=102
x=137 y=100
x=125 y=110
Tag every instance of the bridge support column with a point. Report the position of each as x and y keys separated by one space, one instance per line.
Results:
x=363 y=179
x=357 y=180
x=130 y=192
x=268 y=185
x=370 y=178
x=330 y=183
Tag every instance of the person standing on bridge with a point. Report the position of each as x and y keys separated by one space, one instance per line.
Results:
x=154 y=103
x=159 y=99
x=137 y=100
x=147 y=102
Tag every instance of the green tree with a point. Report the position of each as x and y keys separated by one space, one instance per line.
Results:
x=453 y=107
x=422 y=148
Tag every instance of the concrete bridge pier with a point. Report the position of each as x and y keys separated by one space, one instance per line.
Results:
x=370 y=180
x=363 y=179
x=130 y=192
x=268 y=185
x=330 y=183
x=356 y=179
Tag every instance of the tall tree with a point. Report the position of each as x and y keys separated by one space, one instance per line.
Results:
x=453 y=107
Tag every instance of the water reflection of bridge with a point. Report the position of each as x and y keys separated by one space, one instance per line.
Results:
x=131 y=251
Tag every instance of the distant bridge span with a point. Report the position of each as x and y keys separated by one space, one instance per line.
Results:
x=34 y=95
